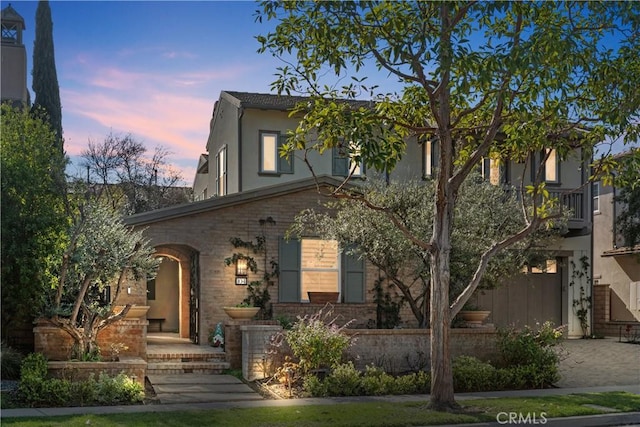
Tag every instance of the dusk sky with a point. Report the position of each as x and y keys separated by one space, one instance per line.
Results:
x=152 y=68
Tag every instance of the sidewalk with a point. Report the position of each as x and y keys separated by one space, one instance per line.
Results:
x=51 y=412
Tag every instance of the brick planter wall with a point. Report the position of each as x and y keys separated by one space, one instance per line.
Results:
x=402 y=350
x=602 y=323
x=364 y=314
x=134 y=367
x=56 y=344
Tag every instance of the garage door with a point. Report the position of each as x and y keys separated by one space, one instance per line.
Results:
x=529 y=298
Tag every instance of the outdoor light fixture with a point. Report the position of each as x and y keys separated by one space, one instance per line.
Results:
x=241 y=271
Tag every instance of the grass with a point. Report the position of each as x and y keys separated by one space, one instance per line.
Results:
x=388 y=414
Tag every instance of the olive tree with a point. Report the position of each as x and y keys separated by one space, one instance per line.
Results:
x=481 y=79
x=484 y=213
x=100 y=252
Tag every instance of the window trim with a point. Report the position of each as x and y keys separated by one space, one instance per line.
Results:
x=595 y=192
x=277 y=160
x=429 y=158
x=221 y=171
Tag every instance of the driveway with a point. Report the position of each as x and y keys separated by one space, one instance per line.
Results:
x=599 y=362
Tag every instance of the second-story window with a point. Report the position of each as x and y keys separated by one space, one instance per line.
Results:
x=551 y=167
x=430 y=158
x=344 y=163
x=221 y=171
x=596 y=197
x=270 y=160
x=495 y=171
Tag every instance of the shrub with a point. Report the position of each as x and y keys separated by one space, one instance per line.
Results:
x=344 y=380
x=36 y=389
x=10 y=360
x=531 y=355
x=314 y=386
x=317 y=341
x=471 y=374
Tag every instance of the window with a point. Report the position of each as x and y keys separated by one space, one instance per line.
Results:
x=430 y=158
x=343 y=163
x=551 y=169
x=270 y=160
x=596 y=197
x=317 y=265
x=221 y=171
x=495 y=171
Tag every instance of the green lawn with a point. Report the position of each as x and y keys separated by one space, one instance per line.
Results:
x=353 y=414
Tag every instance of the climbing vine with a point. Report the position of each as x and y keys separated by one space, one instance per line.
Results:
x=581 y=304
x=256 y=254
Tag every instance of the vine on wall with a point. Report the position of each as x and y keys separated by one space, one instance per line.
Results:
x=582 y=304
x=256 y=254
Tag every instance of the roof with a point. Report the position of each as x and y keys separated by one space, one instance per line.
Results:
x=622 y=251
x=216 y=203
x=269 y=101
x=10 y=14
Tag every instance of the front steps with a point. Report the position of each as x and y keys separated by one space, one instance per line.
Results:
x=176 y=359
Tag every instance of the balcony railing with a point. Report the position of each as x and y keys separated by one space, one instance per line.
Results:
x=572 y=200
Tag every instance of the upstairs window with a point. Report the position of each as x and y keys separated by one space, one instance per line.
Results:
x=270 y=160
x=429 y=158
x=596 y=197
x=344 y=163
x=551 y=167
x=221 y=172
x=495 y=171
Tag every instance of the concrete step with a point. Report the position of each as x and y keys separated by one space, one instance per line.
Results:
x=186 y=357
x=177 y=367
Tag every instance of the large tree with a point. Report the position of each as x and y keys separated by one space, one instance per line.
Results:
x=33 y=217
x=45 y=77
x=481 y=79
x=121 y=171
x=484 y=213
x=100 y=252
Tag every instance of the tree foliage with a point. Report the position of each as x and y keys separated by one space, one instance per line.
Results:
x=45 y=78
x=101 y=252
x=33 y=216
x=484 y=213
x=483 y=79
x=121 y=171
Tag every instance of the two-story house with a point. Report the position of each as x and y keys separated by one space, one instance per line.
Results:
x=244 y=189
x=616 y=267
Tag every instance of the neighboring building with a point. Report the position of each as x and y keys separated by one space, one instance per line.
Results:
x=13 y=88
x=242 y=180
x=616 y=268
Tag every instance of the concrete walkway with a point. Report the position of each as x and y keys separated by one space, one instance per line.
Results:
x=190 y=388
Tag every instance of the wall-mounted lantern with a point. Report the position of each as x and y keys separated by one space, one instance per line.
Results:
x=241 y=271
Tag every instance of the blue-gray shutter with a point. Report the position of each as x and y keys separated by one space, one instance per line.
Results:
x=353 y=290
x=289 y=265
x=285 y=164
x=340 y=165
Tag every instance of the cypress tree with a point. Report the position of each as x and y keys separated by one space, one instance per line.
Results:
x=45 y=78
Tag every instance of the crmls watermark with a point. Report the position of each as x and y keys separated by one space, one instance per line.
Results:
x=521 y=418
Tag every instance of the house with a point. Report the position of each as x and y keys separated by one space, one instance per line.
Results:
x=616 y=267
x=14 y=59
x=241 y=182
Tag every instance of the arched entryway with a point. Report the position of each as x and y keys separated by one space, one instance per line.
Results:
x=173 y=297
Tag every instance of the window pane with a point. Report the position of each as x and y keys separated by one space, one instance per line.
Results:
x=428 y=160
x=319 y=281
x=318 y=253
x=269 y=147
x=551 y=167
x=494 y=171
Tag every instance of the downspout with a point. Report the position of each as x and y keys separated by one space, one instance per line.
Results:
x=240 y=115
